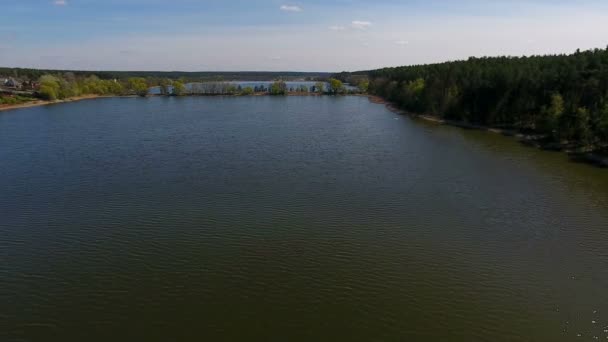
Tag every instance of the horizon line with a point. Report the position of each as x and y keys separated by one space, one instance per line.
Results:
x=317 y=72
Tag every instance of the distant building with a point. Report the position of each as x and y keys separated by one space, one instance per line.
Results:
x=11 y=83
x=30 y=85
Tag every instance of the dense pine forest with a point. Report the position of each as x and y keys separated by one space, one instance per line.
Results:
x=559 y=98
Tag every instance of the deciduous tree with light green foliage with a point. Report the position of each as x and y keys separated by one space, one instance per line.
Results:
x=179 y=88
x=320 y=87
x=582 y=128
x=49 y=87
x=278 y=88
x=551 y=117
x=115 y=87
x=363 y=85
x=247 y=91
x=93 y=85
x=232 y=89
x=336 y=86
x=53 y=87
x=163 y=86
x=138 y=86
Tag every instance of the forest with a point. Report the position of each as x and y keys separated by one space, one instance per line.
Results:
x=559 y=98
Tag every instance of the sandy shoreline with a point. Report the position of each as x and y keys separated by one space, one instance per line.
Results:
x=438 y=120
x=37 y=103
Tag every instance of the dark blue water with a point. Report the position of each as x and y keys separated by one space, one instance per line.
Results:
x=290 y=218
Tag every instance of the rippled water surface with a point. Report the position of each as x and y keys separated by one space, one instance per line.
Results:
x=290 y=219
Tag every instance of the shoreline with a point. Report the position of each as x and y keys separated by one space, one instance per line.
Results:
x=38 y=103
x=592 y=157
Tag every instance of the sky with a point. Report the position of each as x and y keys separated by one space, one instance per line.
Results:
x=277 y=35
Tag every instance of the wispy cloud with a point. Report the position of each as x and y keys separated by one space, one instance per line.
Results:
x=291 y=8
x=337 y=28
x=360 y=25
x=60 y=2
x=402 y=42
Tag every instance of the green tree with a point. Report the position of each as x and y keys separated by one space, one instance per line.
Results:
x=115 y=87
x=553 y=116
x=247 y=91
x=582 y=128
x=602 y=125
x=163 y=86
x=49 y=87
x=137 y=86
x=278 y=88
x=363 y=86
x=68 y=89
x=178 y=88
x=231 y=89
x=320 y=87
x=336 y=86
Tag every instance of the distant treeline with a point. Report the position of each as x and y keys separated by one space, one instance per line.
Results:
x=331 y=87
x=63 y=85
x=34 y=74
x=561 y=98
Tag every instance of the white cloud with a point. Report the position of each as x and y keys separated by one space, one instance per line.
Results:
x=402 y=42
x=60 y=2
x=291 y=8
x=337 y=28
x=360 y=25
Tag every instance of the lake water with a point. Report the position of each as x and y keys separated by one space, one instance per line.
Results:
x=290 y=219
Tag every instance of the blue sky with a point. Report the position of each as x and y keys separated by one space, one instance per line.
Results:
x=306 y=35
